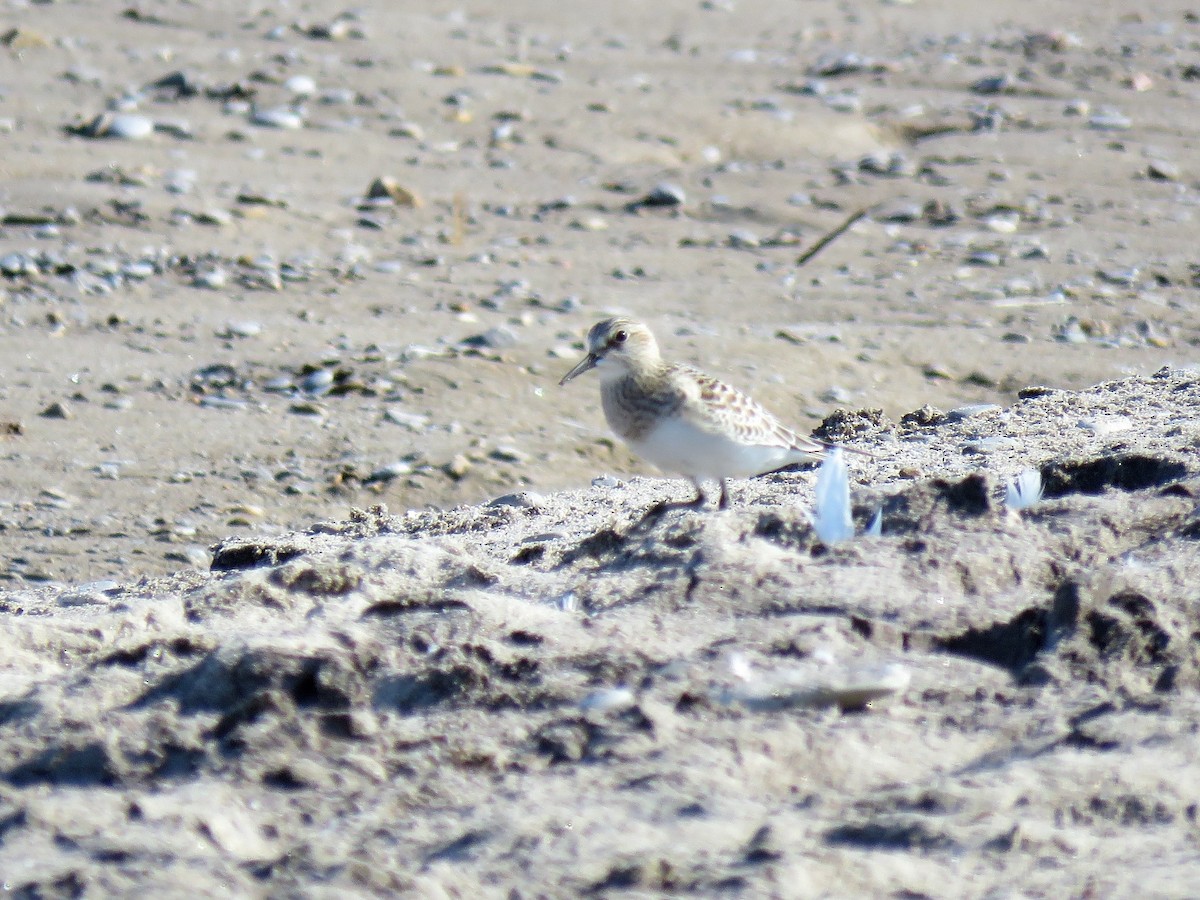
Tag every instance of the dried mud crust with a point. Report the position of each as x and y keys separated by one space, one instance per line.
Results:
x=427 y=701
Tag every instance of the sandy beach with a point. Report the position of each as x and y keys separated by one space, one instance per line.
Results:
x=316 y=583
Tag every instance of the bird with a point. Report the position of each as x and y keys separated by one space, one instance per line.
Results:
x=680 y=419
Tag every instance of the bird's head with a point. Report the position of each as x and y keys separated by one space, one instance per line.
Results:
x=617 y=347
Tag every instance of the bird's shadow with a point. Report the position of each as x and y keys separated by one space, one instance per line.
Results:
x=657 y=511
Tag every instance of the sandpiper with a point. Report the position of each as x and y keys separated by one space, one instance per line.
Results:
x=680 y=419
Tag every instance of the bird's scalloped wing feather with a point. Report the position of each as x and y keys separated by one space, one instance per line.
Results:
x=726 y=410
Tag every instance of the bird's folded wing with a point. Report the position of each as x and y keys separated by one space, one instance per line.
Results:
x=726 y=410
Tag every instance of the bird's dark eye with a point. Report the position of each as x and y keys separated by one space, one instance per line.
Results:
x=620 y=337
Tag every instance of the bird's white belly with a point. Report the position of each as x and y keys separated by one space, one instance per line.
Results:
x=678 y=446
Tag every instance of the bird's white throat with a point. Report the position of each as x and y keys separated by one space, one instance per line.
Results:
x=609 y=370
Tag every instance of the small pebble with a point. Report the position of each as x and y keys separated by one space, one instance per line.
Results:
x=213 y=402
x=213 y=216
x=277 y=117
x=509 y=454
x=1120 y=277
x=301 y=85
x=1110 y=120
x=280 y=384
x=458 y=467
x=175 y=128
x=411 y=421
x=213 y=279
x=82 y=598
x=590 y=223
x=122 y=126
x=1140 y=82
x=1072 y=333
x=308 y=408
x=198 y=557
x=337 y=97
x=663 y=194
x=899 y=212
x=138 y=271
x=242 y=329
x=14 y=264
x=498 y=338
x=390 y=472
x=1105 y=425
x=22 y=38
x=835 y=394
x=407 y=130
x=1161 y=170
x=989 y=258
x=521 y=500
x=1003 y=224
x=966 y=412
x=832 y=65
x=987 y=444
x=317 y=382
x=180 y=181
x=57 y=410
x=608 y=700
x=388 y=189
x=892 y=164
x=845 y=102
x=993 y=84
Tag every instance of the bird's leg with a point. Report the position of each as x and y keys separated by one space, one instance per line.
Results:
x=698 y=501
x=724 y=494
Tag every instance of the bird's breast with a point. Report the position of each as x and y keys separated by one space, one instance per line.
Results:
x=633 y=410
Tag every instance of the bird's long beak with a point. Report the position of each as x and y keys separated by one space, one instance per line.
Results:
x=588 y=362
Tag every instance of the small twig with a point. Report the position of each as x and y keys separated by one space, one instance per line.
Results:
x=830 y=238
x=458 y=219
